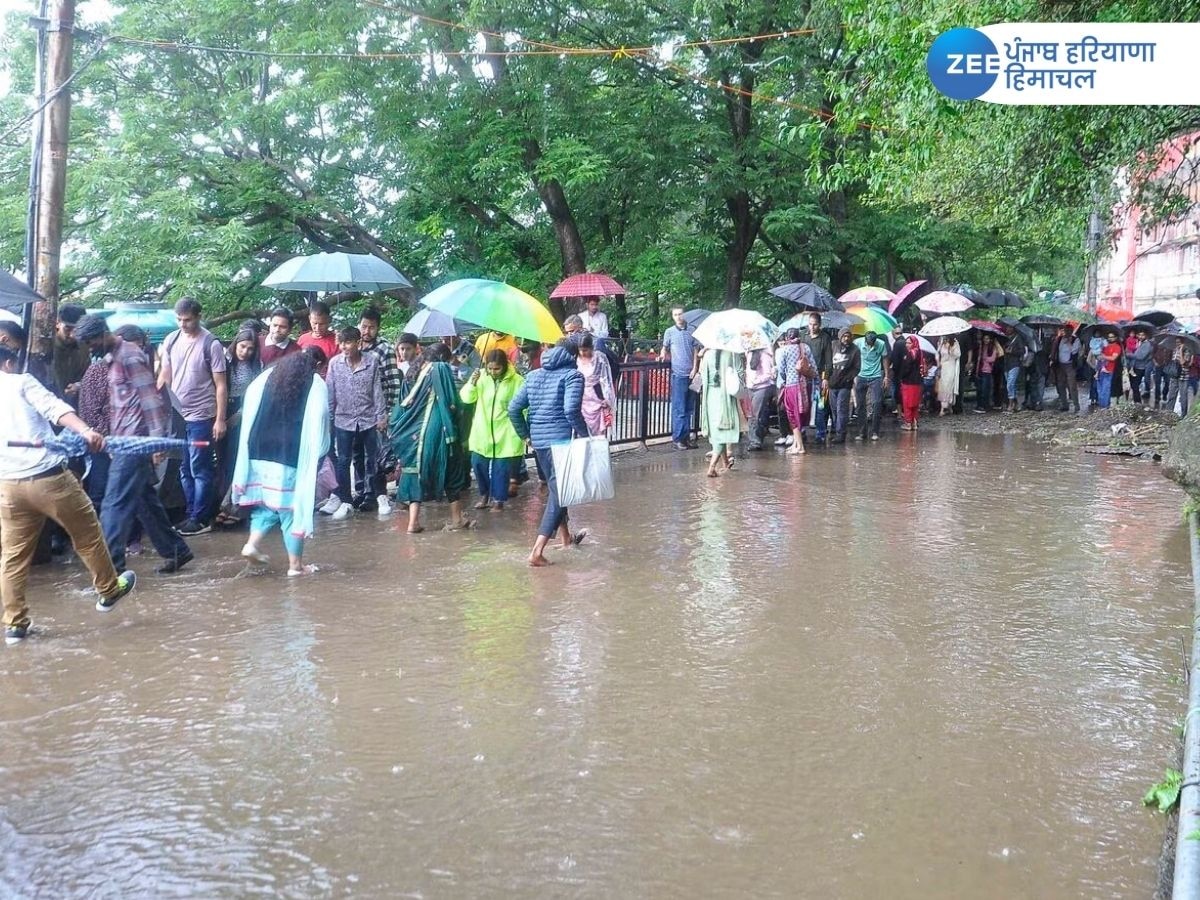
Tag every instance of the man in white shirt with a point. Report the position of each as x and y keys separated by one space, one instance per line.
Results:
x=35 y=485
x=594 y=321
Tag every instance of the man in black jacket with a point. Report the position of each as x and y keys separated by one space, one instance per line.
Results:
x=821 y=346
x=844 y=365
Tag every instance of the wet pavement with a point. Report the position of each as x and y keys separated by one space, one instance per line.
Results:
x=947 y=665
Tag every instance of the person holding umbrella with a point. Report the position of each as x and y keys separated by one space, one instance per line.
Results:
x=1064 y=355
x=844 y=366
x=720 y=417
x=985 y=366
x=910 y=368
x=1106 y=368
x=494 y=444
x=135 y=408
x=35 y=485
x=949 y=354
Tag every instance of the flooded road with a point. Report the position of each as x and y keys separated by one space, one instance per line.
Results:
x=946 y=667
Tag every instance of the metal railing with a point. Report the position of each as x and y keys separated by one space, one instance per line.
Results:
x=644 y=403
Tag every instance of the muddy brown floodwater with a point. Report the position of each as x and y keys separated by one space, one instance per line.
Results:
x=941 y=667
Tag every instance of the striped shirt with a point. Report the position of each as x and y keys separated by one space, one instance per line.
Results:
x=393 y=378
x=136 y=406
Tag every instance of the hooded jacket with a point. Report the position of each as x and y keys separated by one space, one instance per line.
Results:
x=547 y=407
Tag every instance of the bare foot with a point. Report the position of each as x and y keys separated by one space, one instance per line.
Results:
x=712 y=473
x=539 y=562
x=416 y=529
x=303 y=570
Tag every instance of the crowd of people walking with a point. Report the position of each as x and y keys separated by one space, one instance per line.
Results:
x=282 y=430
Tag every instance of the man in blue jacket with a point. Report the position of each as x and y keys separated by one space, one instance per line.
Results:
x=552 y=397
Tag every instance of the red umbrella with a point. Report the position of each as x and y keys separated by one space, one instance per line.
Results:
x=989 y=327
x=907 y=295
x=589 y=284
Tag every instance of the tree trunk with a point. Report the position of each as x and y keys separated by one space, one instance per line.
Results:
x=52 y=187
x=566 y=231
x=737 y=249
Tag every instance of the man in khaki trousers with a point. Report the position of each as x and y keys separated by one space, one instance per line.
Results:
x=35 y=485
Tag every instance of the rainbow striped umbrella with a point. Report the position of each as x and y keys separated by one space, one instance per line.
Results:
x=873 y=319
x=496 y=306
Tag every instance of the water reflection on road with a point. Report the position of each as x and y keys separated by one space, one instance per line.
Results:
x=940 y=667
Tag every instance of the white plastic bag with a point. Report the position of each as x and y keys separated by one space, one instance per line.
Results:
x=583 y=470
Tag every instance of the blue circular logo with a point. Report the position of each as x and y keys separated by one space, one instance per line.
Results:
x=963 y=63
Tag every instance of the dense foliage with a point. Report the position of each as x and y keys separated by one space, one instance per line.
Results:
x=525 y=141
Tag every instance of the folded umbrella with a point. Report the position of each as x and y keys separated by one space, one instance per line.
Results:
x=73 y=444
x=737 y=330
x=807 y=295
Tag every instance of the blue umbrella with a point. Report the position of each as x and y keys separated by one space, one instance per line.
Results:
x=336 y=272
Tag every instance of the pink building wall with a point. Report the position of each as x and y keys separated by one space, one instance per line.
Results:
x=1159 y=268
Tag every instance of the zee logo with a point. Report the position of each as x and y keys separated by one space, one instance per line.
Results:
x=973 y=64
x=963 y=63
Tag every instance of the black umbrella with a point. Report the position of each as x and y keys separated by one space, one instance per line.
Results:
x=1027 y=334
x=1136 y=326
x=1170 y=341
x=1039 y=321
x=807 y=295
x=997 y=298
x=1159 y=317
x=1089 y=331
x=694 y=317
x=15 y=293
x=965 y=290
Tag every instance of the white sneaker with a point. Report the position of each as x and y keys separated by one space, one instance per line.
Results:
x=330 y=506
x=782 y=441
x=385 y=506
x=342 y=512
x=789 y=440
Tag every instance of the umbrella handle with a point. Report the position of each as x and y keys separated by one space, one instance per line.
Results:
x=37 y=445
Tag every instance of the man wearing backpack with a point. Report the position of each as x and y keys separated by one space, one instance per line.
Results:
x=192 y=365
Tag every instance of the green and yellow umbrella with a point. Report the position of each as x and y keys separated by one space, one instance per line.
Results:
x=873 y=319
x=496 y=306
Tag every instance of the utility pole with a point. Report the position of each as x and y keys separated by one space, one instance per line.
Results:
x=1095 y=230
x=52 y=181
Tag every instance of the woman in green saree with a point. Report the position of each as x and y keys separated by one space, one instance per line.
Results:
x=426 y=434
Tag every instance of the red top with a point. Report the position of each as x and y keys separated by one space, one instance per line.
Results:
x=1110 y=354
x=328 y=344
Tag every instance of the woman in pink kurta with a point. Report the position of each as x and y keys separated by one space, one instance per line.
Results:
x=599 y=395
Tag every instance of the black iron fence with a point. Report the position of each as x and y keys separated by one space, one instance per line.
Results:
x=644 y=403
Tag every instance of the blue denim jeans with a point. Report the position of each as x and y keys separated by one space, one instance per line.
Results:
x=1010 y=383
x=129 y=498
x=196 y=471
x=682 y=404
x=554 y=515
x=347 y=442
x=1104 y=382
x=492 y=475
